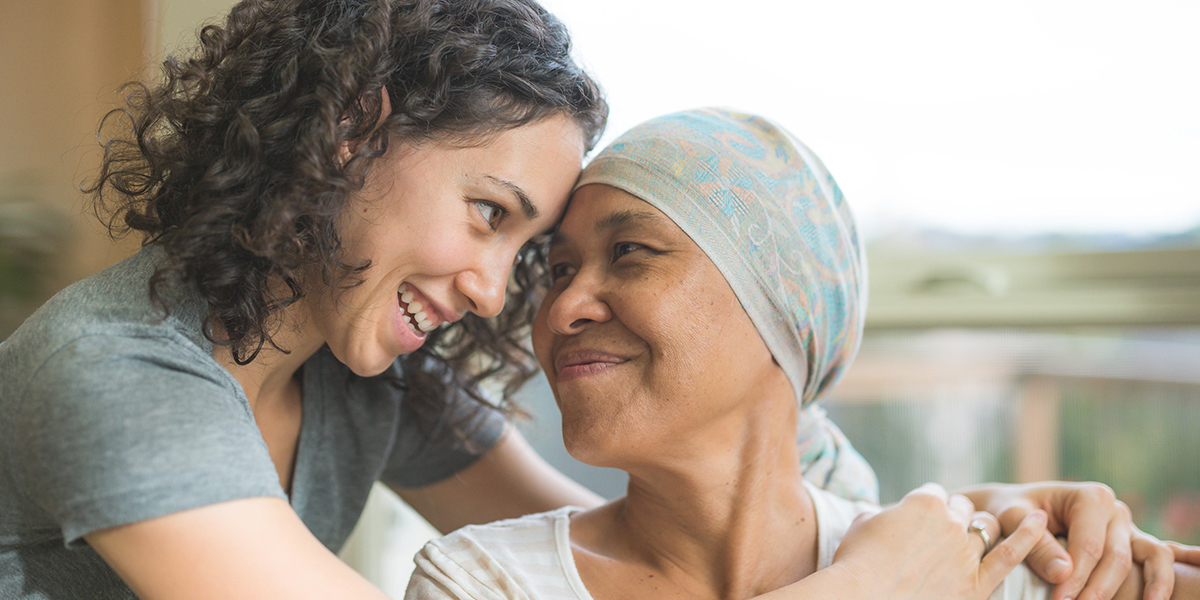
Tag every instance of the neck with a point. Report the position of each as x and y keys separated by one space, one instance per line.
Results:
x=274 y=369
x=726 y=520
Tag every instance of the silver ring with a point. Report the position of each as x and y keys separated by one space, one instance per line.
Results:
x=980 y=527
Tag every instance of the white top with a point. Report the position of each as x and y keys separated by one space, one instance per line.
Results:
x=530 y=558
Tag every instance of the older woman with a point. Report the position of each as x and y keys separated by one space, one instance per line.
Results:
x=707 y=285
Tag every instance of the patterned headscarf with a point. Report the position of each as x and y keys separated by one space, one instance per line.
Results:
x=769 y=215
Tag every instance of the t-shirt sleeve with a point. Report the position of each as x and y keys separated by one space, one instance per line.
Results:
x=117 y=429
x=422 y=455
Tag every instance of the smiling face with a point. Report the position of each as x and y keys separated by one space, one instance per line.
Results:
x=641 y=338
x=441 y=226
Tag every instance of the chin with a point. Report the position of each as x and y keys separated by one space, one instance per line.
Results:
x=588 y=445
x=366 y=366
x=373 y=370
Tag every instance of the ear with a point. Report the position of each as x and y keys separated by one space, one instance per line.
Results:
x=385 y=105
x=346 y=150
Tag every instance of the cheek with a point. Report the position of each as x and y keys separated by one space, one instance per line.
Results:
x=703 y=331
x=540 y=334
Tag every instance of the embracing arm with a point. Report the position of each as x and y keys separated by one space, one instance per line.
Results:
x=252 y=549
x=509 y=481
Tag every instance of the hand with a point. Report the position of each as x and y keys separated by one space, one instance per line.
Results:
x=920 y=548
x=1102 y=542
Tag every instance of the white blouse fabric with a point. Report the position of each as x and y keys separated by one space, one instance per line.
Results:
x=530 y=558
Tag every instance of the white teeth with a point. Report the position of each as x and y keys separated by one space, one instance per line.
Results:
x=414 y=314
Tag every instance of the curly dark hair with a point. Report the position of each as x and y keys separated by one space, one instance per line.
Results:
x=231 y=163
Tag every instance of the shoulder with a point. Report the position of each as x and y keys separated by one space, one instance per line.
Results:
x=513 y=558
x=106 y=328
x=114 y=304
x=834 y=517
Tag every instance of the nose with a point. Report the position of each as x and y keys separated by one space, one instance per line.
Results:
x=577 y=306
x=485 y=285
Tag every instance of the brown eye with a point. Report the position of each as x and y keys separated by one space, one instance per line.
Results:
x=623 y=248
x=491 y=212
x=560 y=270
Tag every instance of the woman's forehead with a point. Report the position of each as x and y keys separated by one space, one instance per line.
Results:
x=601 y=209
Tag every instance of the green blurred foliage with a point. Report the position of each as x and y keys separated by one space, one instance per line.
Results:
x=31 y=238
x=1142 y=438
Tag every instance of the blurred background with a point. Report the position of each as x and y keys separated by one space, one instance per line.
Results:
x=1025 y=174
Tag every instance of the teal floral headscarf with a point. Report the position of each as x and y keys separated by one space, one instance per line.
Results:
x=769 y=215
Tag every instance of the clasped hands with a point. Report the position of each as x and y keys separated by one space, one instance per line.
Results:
x=943 y=557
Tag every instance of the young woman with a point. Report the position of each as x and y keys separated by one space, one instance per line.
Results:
x=325 y=186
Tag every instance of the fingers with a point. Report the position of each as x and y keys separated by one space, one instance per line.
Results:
x=961 y=509
x=931 y=489
x=931 y=498
x=1049 y=560
x=1185 y=554
x=1012 y=550
x=985 y=530
x=1116 y=559
x=1158 y=565
x=1087 y=517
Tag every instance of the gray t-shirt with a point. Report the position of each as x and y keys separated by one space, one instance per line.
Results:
x=111 y=414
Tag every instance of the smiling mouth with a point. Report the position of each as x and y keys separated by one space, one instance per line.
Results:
x=416 y=314
x=582 y=363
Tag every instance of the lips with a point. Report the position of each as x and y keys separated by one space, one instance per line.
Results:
x=574 y=364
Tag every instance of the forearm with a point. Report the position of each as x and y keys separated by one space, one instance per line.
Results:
x=246 y=549
x=509 y=481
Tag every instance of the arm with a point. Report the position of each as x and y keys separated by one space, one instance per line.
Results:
x=509 y=481
x=1102 y=542
x=252 y=549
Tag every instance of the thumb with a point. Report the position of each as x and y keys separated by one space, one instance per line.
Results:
x=1049 y=560
x=1009 y=553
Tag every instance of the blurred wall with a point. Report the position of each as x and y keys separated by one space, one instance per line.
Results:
x=61 y=63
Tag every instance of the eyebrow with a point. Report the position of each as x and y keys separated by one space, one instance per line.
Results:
x=527 y=208
x=620 y=218
x=614 y=220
